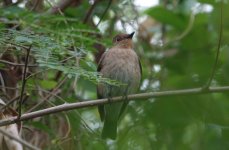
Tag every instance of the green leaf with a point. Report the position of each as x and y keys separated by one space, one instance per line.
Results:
x=2 y=65
x=23 y=39
x=41 y=126
x=13 y=12
x=47 y=84
x=167 y=17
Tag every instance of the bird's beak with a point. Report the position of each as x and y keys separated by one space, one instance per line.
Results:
x=130 y=35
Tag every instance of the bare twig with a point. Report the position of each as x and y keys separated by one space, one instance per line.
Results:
x=15 y=44
x=62 y=61
x=53 y=92
x=60 y=6
x=90 y=103
x=36 y=4
x=7 y=2
x=2 y=82
x=90 y=11
x=104 y=13
x=50 y=94
x=185 y=32
x=9 y=103
x=26 y=144
x=23 y=81
x=16 y=64
x=218 y=49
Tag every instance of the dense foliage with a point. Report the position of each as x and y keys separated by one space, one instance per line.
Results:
x=176 y=41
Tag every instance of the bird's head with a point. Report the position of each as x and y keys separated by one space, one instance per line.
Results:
x=123 y=40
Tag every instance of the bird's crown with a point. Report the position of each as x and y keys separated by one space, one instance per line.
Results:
x=120 y=37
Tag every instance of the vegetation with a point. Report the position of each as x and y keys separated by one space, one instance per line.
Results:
x=178 y=42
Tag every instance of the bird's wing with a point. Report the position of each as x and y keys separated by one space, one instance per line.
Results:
x=101 y=112
x=100 y=107
x=101 y=62
x=140 y=66
x=125 y=103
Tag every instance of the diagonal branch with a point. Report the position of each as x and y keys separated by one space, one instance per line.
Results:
x=16 y=64
x=88 y=14
x=26 y=144
x=60 y=6
x=53 y=92
x=90 y=103
x=218 y=49
x=7 y=105
x=104 y=13
x=23 y=81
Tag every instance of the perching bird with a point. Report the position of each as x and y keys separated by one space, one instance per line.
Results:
x=122 y=64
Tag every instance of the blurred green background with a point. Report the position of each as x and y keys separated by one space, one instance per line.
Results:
x=176 y=41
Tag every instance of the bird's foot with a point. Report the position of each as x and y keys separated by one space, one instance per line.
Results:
x=109 y=100
x=125 y=97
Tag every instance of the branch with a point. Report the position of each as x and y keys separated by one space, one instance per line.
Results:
x=104 y=13
x=15 y=44
x=184 y=33
x=7 y=2
x=16 y=64
x=61 y=6
x=18 y=140
x=7 y=105
x=53 y=92
x=37 y=5
x=218 y=48
x=23 y=81
x=90 y=103
x=90 y=11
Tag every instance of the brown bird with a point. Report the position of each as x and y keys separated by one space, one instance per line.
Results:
x=122 y=64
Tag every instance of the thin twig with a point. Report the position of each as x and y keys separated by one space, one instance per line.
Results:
x=90 y=103
x=23 y=82
x=7 y=2
x=16 y=64
x=35 y=5
x=60 y=6
x=15 y=44
x=185 y=32
x=104 y=13
x=2 y=82
x=218 y=49
x=26 y=144
x=48 y=68
x=9 y=103
x=38 y=72
x=90 y=11
x=52 y=93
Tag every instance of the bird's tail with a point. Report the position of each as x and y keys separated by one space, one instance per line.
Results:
x=112 y=112
x=109 y=130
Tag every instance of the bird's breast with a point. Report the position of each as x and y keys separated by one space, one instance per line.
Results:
x=121 y=65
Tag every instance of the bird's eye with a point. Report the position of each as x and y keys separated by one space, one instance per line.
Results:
x=118 y=39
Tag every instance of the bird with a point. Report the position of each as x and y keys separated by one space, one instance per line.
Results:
x=120 y=63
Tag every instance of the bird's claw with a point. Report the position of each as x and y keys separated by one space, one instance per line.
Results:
x=125 y=97
x=109 y=100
